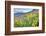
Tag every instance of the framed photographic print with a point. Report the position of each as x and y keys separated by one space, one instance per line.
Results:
x=24 y=17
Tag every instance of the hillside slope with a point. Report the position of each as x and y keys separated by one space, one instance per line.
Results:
x=27 y=20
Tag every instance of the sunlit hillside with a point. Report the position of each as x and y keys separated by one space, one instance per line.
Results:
x=30 y=19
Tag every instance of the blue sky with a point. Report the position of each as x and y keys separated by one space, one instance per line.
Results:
x=22 y=10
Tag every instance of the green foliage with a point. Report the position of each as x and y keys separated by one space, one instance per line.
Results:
x=30 y=20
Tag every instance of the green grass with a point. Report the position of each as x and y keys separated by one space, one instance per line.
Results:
x=30 y=20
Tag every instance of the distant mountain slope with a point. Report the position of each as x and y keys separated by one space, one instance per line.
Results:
x=22 y=15
x=33 y=11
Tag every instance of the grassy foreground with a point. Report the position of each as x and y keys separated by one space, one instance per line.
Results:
x=30 y=20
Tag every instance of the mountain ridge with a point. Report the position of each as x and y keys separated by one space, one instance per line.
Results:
x=19 y=14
